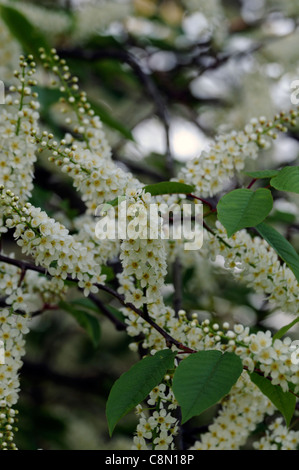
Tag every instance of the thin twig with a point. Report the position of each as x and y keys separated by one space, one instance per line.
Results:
x=215 y=235
x=145 y=79
x=204 y=201
x=170 y=341
x=252 y=183
x=119 y=325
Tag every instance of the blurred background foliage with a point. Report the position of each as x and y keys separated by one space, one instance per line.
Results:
x=187 y=69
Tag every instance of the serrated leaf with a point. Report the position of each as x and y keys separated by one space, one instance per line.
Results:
x=244 y=208
x=134 y=386
x=285 y=402
x=282 y=247
x=30 y=38
x=204 y=378
x=287 y=180
x=262 y=174
x=168 y=187
x=280 y=333
x=87 y=321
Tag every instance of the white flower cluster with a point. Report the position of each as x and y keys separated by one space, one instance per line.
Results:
x=103 y=250
x=18 y=119
x=278 y=437
x=88 y=161
x=257 y=351
x=159 y=429
x=239 y=415
x=28 y=292
x=96 y=177
x=212 y=170
x=143 y=259
x=7 y=421
x=12 y=328
x=23 y=293
x=50 y=244
x=257 y=264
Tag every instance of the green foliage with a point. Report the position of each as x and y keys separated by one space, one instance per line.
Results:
x=287 y=179
x=285 y=402
x=111 y=121
x=204 y=378
x=280 y=333
x=244 y=208
x=87 y=321
x=134 y=386
x=283 y=248
x=85 y=302
x=282 y=217
x=28 y=36
x=262 y=174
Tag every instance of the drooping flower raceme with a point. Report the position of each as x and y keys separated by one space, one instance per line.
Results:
x=51 y=244
x=244 y=409
x=257 y=264
x=87 y=159
x=18 y=119
x=278 y=437
x=213 y=169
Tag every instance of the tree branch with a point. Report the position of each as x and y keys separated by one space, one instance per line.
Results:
x=24 y=265
x=144 y=78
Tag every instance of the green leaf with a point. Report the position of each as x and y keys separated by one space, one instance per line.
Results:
x=244 y=208
x=47 y=97
x=30 y=38
x=134 y=386
x=86 y=303
x=285 y=402
x=116 y=313
x=108 y=271
x=262 y=174
x=280 y=333
x=282 y=217
x=87 y=321
x=203 y=379
x=110 y=121
x=282 y=247
x=168 y=187
x=40 y=197
x=287 y=179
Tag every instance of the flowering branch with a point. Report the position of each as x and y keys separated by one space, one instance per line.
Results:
x=170 y=341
